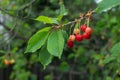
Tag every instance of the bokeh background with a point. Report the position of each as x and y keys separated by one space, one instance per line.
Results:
x=88 y=60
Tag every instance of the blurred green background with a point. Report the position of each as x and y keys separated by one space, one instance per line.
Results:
x=89 y=60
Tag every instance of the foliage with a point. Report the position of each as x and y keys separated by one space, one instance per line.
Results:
x=107 y=4
x=25 y=39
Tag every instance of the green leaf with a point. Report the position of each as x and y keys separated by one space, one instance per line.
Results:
x=46 y=19
x=37 y=40
x=107 y=4
x=55 y=43
x=109 y=59
x=64 y=67
x=45 y=57
x=98 y=56
x=65 y=35
x=48 y=77
x=115 y=50
x=108 y=78
x=60 y=17
x=63 y=12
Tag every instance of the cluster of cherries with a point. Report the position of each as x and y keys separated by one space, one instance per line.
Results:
x=87 y=31
x=8 y=62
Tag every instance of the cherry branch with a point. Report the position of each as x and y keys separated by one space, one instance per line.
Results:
x=82 y=16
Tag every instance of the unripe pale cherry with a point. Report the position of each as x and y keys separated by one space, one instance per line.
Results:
x=72 y=37
x=88 y=30
x=78 y=37
x=70 y=43
x=12 y=61
x=83 y=27
x=76 y=31
x=87 y=35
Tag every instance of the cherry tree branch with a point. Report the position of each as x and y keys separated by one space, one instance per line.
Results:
x=12 y=32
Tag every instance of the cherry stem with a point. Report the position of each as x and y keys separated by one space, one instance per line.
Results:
x=69 y=23
x=88 y=21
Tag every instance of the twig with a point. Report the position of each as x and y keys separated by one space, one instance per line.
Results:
x=27 y=5
x=23 y=7
x=5 y=11
x=12 y=32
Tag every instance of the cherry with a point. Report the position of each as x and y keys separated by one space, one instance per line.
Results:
x=76 y=31
x=83 y=28
x=86 y=35
x=70 y=44
x=88 y=30
x=78 y=37
x=12 y=61
x=6 y=62
x=72 y=37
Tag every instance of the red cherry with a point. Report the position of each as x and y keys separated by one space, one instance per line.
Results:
x=86 y=35
x=88 y=30
x=70 y=44
x=76 y=31
x=83 y=28
x=78 y=37
x=72 y=37
x=6 y=62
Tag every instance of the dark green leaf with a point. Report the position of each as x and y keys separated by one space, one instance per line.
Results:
x=45 y=57
x=2 y=52
x=64 y=67
x=55 y=43
x=107 y=4
x=37 y=40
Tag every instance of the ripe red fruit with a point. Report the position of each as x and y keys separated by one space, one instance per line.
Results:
x=78 y=37
x=88 y=30
x=86 y=35
x=6 y=62
x=76 y=31
x=72 y=37
x=70 y=44
x=83 y=28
